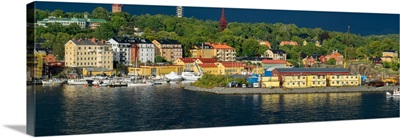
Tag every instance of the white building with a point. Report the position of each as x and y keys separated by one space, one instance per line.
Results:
x=146 y=50
x=122 y=50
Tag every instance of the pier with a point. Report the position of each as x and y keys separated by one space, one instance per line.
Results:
x=226 y=90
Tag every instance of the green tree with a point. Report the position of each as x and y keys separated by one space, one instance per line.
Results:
x=100 y=13
x=104 y=31
x=57 y=13
x=386 y=64
x=159 y=59
x=394 y=65
x=331 y=61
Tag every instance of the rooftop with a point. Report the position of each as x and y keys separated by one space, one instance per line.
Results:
x=278 y=52
x=99 y=69
x=208 y=65
x=208 y=60
x=312 y=70
x=167 y=41
x=274 y=61
x=187 y=60
x=221 y=46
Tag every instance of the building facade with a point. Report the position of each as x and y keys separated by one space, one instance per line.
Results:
x=316 y=81
x=223 y=52
x=344 y=80
x=155 y=70
x=335 y=55
x=299 y=81
x=229 y=68
x=116 y=8
x=275 y=54
x=279 y=72
x=168 y=49
x=81 y=22
x=121 y=50
x=146 y=50
x=204 y=50
x=187 y=63
x=88 y=53
x=273 y=63
x=389 y=56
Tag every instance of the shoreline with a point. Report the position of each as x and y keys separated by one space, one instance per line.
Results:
x=226 y=90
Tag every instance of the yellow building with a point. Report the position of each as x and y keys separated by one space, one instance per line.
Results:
x=229 y=68
x=294 y=81
x=155 y=70
x=316 y=81
x=38 y=66
x=204 y=50
x=389 y=56
x=187 y=63
x=210 y=68
x=170 y=50
x=344 y=80
x=96 y=71
x=270 y=82
x=222 y=52
x=88 y=53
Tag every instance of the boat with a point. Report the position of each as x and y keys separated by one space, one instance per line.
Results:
x=396 y=92
x=135 y=84
x=77 y=82
x=173 y=76
x=53 y=82
x=190 y=76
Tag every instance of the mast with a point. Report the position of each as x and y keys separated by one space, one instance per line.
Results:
x=347 y=44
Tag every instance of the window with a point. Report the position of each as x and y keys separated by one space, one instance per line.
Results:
x=333 y=82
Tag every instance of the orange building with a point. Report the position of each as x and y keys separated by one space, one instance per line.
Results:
x=337 y=56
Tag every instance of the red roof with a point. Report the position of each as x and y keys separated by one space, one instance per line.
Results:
x=221 y=46
x=294 y=43
x=188 y=60
x=265 y=61
x=208 y=65
x=208 y=60
x=265 y=43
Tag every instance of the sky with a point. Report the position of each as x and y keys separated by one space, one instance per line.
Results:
x=360 y=23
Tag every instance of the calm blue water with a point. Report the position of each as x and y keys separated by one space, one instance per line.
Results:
x=63 y=110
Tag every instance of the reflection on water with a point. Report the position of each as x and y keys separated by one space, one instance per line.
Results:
x=77 y=109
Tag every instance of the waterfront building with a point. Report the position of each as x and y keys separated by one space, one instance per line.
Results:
x=253 y=69
x=270 y=82
x=292 y=43
x=146 y=50
x=187 y=63
x=121 y=50
x=81 y=22
x=204 y=50
x=168 y=49
x=275 y=54
x=116 y=8
x=316 y=81
x=222 y=52
x=273 y=63
x=298 y=81
x=88 y=53
x=308 y=71
x=96 y=71
x=337 y=56
x=155 y=70
x=228 y=68
x=210 y=68
x=389 y=56
x=344 y=80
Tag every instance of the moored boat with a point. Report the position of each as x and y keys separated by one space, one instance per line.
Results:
x=396 y=93
x=173 y=76
x=190 y=76
x=53 y=82
x=77 y=82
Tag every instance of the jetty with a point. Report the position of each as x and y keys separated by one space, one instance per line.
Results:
x=228 y=90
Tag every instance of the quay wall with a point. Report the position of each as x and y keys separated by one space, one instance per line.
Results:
x=226 y=90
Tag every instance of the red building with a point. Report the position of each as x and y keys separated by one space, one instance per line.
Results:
x=134 y=52
x=308 y=71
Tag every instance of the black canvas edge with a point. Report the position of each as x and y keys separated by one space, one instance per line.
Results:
x=31 y=99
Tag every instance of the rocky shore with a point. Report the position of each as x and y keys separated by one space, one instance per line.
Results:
x=225 y=90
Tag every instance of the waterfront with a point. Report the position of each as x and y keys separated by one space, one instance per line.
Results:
x=79 y=110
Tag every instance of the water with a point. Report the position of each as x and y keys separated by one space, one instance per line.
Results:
x=64 y=110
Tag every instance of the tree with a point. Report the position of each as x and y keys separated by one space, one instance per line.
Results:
x=386 y=64
x=394 y=65
x=159 y=59
x=100 y=13
x=104 y=31
x=331 y=61
x=57 y=13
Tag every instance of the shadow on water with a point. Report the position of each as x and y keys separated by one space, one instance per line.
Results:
x=18 y=128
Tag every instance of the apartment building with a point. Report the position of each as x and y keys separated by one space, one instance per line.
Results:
x=168 y=49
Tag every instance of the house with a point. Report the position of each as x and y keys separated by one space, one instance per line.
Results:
x=337 y=56
x=227 y=68
x=389 y=56
x=275 y=54
x=168 y=49
x=88 y=53
x=220 y=51
x=187 y=63
x=292 y=43
x=266 y=43
x=210 y=68
x=377 y=60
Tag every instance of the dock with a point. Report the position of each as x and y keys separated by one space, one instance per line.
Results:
x=227 y=90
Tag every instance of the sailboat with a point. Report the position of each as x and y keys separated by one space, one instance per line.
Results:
x=135 y=83
x=396 y=93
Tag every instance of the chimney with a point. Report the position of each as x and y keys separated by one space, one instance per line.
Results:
x=103 y=41
x=93 y=40
x=80 y=39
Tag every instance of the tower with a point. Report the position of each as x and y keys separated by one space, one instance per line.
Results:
x=179 y=11
x=222 y=22
x=116 y=8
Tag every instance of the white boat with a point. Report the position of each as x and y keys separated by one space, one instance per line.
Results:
x=77 y=82
x=173 y=76
x=396 y=92
x=53 y=82
x=135 y=84
x=190 y=76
